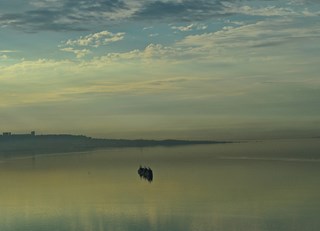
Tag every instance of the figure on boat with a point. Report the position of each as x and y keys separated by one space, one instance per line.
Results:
x=145 y=173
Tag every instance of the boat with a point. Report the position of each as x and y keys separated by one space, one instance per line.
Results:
x=145 y=173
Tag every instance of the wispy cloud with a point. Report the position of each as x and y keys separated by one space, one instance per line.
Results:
x=79 y=53
x=154 y=35
x=96 y=39
x=8 y=51
x=42 y=85
x=148 y=28
x=71 y=15
x=62 y=15
x=268 y=11
x=308 y=13
x=259 y=11
x=226 y=44
x=271 y=32
x=184 y=10
x=4 y=54
x=3 y=57
x=92 y=40
x=150 y=52
x=190 y=27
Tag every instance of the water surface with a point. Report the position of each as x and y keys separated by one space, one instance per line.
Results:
x=270 y=185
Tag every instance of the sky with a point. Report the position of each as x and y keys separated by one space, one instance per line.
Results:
x=206 y=69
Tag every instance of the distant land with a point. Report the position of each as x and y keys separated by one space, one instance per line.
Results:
x=59 y=143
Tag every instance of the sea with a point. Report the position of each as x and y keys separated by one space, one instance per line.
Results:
x=263 y=185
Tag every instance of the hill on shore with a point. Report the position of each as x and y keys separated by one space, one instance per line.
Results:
x=41 y=144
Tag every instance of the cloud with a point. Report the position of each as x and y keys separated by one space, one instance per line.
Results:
x=148 y=28
x=137 y=87
x=260 y=11
x=64 y=15
x=259 y=34
x=36 y=20
x=34 y=82
x=154 y=35
x=185 y=10
x=92 y=40
x=302 y=2
x=225 y=46
x=79 y=53
x=4 y=54
x=150 y=52
x=306 y=12
x=96 y=39
x=190 y=27
x=8 y=51
x=268 y=11
x=73 y=15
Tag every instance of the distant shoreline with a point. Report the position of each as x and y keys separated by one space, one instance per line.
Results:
x=12 y=144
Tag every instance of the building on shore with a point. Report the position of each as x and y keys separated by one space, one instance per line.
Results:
x=32 y=133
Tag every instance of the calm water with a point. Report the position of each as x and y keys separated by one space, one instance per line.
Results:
x=271 y=185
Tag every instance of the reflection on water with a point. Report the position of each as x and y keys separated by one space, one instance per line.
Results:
x=248 y=186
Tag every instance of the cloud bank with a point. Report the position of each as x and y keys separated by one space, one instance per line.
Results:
x=73 y=15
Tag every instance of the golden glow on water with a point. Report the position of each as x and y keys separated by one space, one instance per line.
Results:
x=223 y=187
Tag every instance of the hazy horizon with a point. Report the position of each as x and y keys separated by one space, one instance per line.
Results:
x=227 y=135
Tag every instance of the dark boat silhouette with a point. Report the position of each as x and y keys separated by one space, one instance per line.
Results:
x=145 y=173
